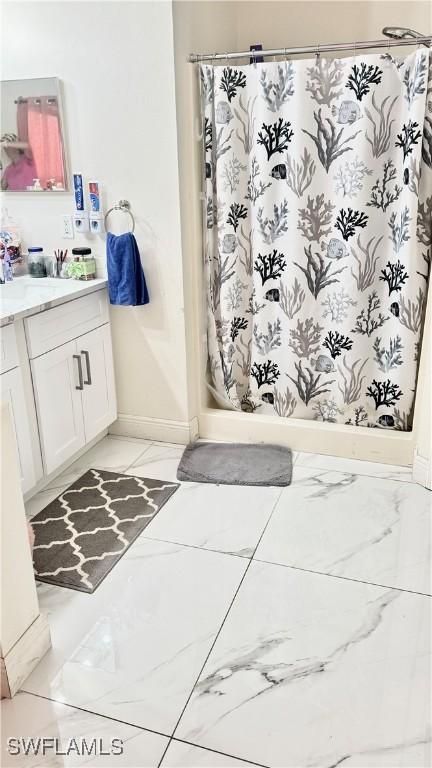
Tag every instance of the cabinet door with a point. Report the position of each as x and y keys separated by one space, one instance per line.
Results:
x=12 y=392
x=98 y=397
x=58 y=387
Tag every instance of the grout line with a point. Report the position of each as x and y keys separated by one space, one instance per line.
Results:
x=167 y=444
x=128 y=439
x=343 y=578
x=191 y=546
x=92 y=712
x=57 y=491
x=56 y=487
x=63 y=487
x=205 y=661
x=219 y=752
x=220 y=629
x=268 y=521
x=91 y=466
x=137 y=458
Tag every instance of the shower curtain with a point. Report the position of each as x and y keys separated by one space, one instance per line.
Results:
x=318 y=235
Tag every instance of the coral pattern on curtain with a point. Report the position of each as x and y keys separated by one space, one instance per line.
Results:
x=318 y=235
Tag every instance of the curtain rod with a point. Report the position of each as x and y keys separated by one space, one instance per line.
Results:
x=318 y=48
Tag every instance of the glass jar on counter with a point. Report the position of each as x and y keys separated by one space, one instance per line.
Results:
x=83 y=265
x=37 y=266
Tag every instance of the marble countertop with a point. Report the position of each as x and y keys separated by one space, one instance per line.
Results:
x=28 y=295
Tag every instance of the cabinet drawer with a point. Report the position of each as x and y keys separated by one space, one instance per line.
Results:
x=61 y=324
x=8 y=348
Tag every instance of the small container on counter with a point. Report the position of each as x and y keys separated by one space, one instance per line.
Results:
x=83 y=265
x=37 y=266
x=59 y=265
x=64 y=272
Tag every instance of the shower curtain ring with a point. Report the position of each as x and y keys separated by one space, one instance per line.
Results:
x=317 y=52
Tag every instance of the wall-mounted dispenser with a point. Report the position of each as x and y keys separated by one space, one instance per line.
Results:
x=81 y=221
x=96 y=218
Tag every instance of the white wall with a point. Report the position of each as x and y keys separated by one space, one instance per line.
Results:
x=198 y=26
x=115 y=61
x=312 y=21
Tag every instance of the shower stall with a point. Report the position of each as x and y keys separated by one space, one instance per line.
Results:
x=317 y=179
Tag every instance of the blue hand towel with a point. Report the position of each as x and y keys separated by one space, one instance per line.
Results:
x=126 y=281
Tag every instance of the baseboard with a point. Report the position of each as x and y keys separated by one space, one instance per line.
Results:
x=24 y=656
x=422 y=471
x=163 y=430
x=384 y=446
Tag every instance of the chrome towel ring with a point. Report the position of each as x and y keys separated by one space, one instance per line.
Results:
x=122 y=205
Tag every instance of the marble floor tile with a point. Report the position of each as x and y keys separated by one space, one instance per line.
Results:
x=220 y=517
x=165 y=444
x=353 y=526
x=55 y=600
x=29 y=717
x=159 y=462
x=111 y=453
x=126 y=438
x=181 y=755
x=133 y=649
x=314 y=671
x=354 y=466
x=40 y=500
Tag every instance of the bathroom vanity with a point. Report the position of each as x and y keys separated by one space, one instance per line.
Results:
x=57 y=371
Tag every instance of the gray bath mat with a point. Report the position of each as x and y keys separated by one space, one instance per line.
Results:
x=83 y=533
x=236 y=464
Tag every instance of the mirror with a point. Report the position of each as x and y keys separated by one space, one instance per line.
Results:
x=31 y=142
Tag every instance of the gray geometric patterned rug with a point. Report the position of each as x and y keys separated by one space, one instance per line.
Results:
x=82 y=534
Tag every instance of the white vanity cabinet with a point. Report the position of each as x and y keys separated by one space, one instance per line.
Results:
x=12 y=392
x=58 y=404
x=73 y=375
x=98 y=396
